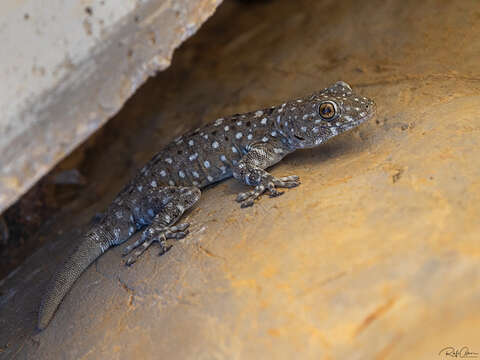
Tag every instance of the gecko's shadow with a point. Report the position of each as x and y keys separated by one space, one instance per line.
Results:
x=332 y=149
x=304 y=159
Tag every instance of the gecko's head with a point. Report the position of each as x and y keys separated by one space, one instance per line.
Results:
x=313 y=120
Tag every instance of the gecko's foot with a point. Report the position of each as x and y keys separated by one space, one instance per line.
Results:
x=248 y=198
x=153 y=234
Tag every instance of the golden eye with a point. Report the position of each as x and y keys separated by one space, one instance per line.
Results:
x=327 y=110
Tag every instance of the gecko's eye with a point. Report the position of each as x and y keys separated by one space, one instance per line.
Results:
x=327 y=110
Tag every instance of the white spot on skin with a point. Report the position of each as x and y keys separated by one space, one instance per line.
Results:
x=299 y=101
x=264 y=121
x=223 y=158
x=274 y=133
x=206 y=163
x=215 y=144
x=140 y=188
x=226 y=128
x=218 y=121
x=238 y=135
x=362 y=114
x=180 y=208
x=191 y=142
x=181 y=174
x=357 y=109
x=209 y=178
x=334 y=131
x=193 y=156
x=239 y=123
x=223 y=168
x=205 y=136
x=171 y=183
x=280 y=110
x=250 y=136
x=279 y=119
x=163 y=173
x=258 y=113
x=264 y=139
x=348 y=118
x=277 y=150
x=168 y=160
x=234 y=149
x=303 y=128
x=168 y=218
x=154 y=184
x=315 y=130
x=195 y=174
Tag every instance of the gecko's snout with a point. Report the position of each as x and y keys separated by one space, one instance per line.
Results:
x=371 y=108
x=344 y=84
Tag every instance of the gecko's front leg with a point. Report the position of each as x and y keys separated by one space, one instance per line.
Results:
x=250 y=171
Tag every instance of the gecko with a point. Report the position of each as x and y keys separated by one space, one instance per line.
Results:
x=242 y=146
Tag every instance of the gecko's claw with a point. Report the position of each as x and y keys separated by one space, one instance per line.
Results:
x=248 y=198
x=155 y=234
x=287 y=181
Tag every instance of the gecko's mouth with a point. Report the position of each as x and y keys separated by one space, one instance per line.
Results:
x=299 y=137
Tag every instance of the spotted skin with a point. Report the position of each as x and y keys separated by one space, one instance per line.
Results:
x=242 y=146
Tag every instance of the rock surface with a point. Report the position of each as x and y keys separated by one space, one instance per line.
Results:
x=374 y=256
x=67 y=67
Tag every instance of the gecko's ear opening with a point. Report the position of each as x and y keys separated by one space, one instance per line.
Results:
x=343 y=84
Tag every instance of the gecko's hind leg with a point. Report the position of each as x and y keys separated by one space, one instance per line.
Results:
x=160 y=234
x=163 y=225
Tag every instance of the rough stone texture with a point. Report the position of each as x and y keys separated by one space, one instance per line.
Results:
x=374 y=256
x=67 y=67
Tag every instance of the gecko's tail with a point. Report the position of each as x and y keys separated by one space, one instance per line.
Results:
x=88 y=250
